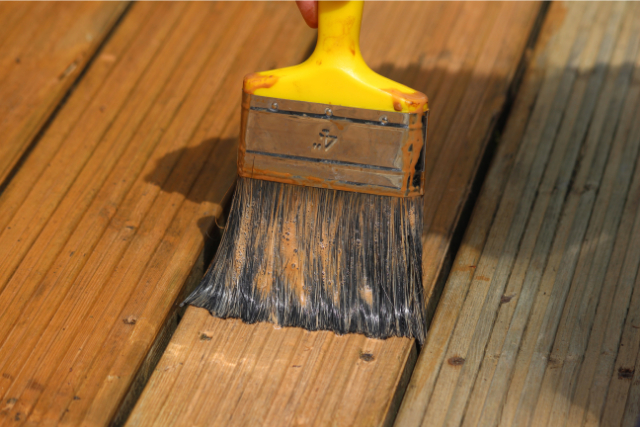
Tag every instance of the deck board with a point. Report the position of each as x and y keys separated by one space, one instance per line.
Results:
x=223 y=372
x=536 y=322
x=43 y=49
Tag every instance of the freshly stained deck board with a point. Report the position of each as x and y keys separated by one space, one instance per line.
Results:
x=223 y=372
x=538 y=321
x=104 y=220
x=43 y=48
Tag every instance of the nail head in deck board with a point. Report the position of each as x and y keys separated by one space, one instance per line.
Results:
x=555 y=225
x=287 y=376
x=43 y=49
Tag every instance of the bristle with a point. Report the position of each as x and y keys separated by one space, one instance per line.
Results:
x=319 y=259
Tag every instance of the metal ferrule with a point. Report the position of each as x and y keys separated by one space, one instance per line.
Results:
x=329 y=146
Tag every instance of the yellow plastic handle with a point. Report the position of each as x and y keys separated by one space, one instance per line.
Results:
x=336 y=72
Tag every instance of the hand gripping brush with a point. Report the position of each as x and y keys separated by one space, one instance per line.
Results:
x=325 y=227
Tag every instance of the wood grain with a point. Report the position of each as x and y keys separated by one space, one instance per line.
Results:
x=535 y=322
x=223 y=372
x=43 y=49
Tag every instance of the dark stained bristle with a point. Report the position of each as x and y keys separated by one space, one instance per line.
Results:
x=319 y=259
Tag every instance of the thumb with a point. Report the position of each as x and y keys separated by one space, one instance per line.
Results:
x=309 y=10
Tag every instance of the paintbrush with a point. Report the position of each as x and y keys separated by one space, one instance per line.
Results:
x=325 y=227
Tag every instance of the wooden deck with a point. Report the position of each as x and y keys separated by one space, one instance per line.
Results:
x=119 y=127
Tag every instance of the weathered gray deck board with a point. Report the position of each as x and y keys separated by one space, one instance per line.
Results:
x=538 y=323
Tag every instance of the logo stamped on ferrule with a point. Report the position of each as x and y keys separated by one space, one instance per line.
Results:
x=326 y=140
